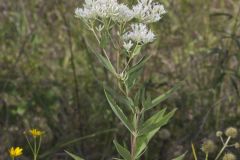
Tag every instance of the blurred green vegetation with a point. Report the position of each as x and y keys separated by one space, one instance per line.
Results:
x=50 y=79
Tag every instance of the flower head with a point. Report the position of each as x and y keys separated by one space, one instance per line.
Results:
x=35 y=132
x=87 y=12
x=15 y=152
x=208 y=146
x=93 y=9
x=148 y=11
x=124 y=14
x=237 y=145
x=139 y=34
x=219 y=133
x=231 y=132
x=229 y=156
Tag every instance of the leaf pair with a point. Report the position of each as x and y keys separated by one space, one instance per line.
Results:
x=148 y=103
x=150 y=128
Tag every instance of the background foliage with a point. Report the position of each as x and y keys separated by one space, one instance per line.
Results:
x=51 y=80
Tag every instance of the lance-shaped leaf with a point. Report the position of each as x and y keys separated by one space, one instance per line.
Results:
x=160 y=98
x=75 y=157
x=134 y=71
x=119 y=113
x=138 y=96
x=150 y=128
x=181 y=157
x=122 y=151
x=119 y=98
x=137 y=50
x=156 y=121
x=138 y=66
x=106 y=63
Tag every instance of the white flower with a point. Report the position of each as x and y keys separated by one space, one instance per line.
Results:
x=128 y=45
x=93 y=9
x=106 y=8
x=87 y=11
x=148 y=11
x=139 y=34
x=124 y=14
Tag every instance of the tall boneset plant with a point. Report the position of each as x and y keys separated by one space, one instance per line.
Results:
x=123 y=32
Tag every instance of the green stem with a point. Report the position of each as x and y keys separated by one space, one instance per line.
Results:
x=133 y=147
x=29 y=144
x=223 y=148
x=134 y=136
x=35 y=149
x=39 y=145
x=206 y=156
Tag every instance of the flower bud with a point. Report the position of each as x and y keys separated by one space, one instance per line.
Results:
x=231 y=132
x=208 y=146
x=237 y=145
x=229 y=156
x=219 y=133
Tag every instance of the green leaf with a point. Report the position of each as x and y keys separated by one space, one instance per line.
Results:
x=138 y=66
x=119 y=113
x=156 y=121
x=75 y=157
x=134 y=71
x=122 y=151
x=160 y=98
x=137 y=50
x=180 y=157
x=119 y=98
x=151 y=127
x=106 y=63
x=104 y=40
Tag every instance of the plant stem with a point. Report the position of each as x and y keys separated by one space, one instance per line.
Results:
x=223 y=148
x=206 y=156
x=134 y=136
x=29 y=144
x=39 y=145
x=133 y=147
x=35 y=149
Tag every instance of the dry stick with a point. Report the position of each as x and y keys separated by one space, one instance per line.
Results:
x=229 y=47
x=73 y=66
x=223 y=148
x=207 y=115
x=69 y=34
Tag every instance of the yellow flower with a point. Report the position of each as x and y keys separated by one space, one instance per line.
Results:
x=15 y=152
x=35 y=132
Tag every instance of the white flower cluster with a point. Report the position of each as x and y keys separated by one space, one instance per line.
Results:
x=139 y=34
x=148 y=11
x=145 y=11
x=93 y=9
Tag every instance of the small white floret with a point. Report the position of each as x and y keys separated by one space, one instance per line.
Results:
x=128 y=45
x=147 y=11
x=139 y=34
